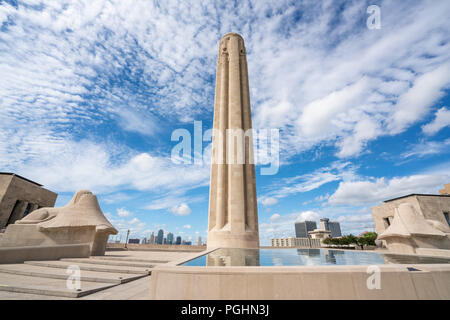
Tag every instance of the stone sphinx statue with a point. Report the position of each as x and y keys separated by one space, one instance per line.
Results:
x=410 y=232
x=80 y=221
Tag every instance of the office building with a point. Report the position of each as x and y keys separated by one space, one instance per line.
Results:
x=302 y=228
x=152 y=238
x=169 y=238
x=160 y=237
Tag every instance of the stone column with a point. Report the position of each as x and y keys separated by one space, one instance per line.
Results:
x=233 y=215
x=18 y=211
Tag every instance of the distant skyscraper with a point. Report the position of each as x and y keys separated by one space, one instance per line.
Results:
x=170 y=238
x=164 y=241
x=199 y=241
x=324 y=224
x=333 y=226
x=152 y=238
x=178 y=240
x=159 y=239
x=302 y=228
x=144 y=241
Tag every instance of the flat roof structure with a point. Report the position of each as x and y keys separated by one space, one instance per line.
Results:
x=418 y=194
x=16 y=175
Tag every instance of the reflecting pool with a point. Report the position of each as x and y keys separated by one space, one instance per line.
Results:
x=303 y=257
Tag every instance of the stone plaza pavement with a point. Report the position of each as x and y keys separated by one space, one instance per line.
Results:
x=119 y=275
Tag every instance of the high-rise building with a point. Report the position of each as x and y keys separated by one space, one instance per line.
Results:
x=199 y=241
x=302 y=228
x=164 y=241
x=170 y=238
x=178 y=240
x=333 y=226
x=152 y=238
x=144 y=241
x=160 y=237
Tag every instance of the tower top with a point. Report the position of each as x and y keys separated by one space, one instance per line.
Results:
x=232 y=34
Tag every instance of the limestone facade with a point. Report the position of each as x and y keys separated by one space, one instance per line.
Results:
x=319 y=234
x=20 y=196
x=414 y=223
x=295 y=242
x=446 y=189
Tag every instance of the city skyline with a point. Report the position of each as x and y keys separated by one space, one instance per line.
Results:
x=170 y=238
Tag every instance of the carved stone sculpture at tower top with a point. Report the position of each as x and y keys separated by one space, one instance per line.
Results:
x=233 y=215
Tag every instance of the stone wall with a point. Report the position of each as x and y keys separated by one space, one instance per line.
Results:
x=430 y=206
x=300 y=283
x=16 y=194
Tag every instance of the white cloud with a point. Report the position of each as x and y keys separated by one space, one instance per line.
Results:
x=181 y=210
x=306 y=182
x=187 y=226
x=166 y=202
x=317 y=117
x=426 y=148
x=356 y=223
x=414 y=104
x=70 y=166
x=142 y=122
x=115 y=197
x=308 y=216
x=374 y=190
x=134 y=221
x=274 y=217
x=441 y=120
x=269 y=201
x=122 y=212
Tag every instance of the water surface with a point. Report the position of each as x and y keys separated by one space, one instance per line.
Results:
x=303 y=257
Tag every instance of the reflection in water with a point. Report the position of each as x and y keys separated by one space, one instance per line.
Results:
x=308 y=252
x=410 y=259
x=303 y=257
x=233 y=257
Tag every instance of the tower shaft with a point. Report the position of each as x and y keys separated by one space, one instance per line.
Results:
x=233 y=216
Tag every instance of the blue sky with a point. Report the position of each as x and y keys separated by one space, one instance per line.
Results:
x=91 y=91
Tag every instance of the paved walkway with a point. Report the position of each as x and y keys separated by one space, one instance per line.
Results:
x=118 y=275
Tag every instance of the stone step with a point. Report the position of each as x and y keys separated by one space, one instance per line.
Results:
x=108 y=262
x=90 y=267
x=49 y=287
x=128 y=259
x=60 y=273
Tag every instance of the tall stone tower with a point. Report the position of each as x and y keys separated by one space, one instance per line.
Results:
x=233 y=215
